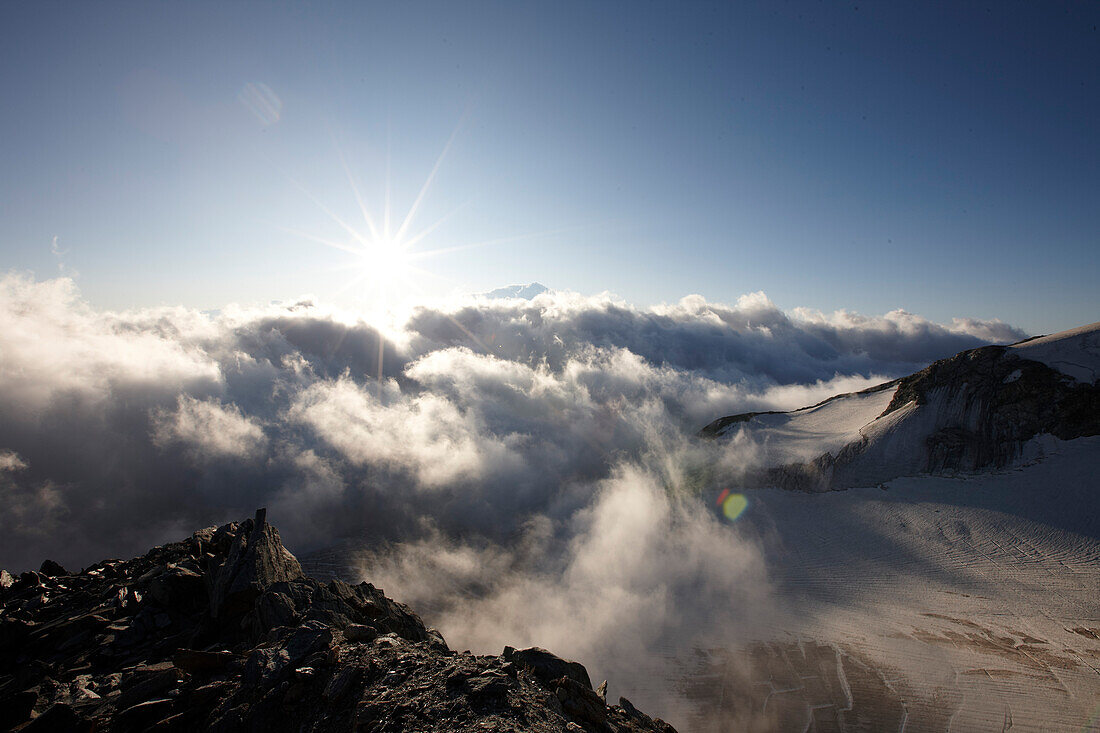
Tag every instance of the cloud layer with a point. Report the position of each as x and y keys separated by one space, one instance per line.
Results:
x=524 y=470
x=121 y=428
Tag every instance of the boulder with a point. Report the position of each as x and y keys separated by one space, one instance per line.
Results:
x=580 y=702
x=548 y=667
x=256 y=560
x=177 y=587
x=202 y=663
x=52 y=569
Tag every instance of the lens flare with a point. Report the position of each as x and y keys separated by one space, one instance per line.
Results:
x=733 y=505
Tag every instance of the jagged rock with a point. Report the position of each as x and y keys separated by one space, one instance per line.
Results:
x=6 y=581
x=178 y=586
x=340 y=683
x=135 y=645
x=266 y=665
x=17 y=708
x=546 y=666
x=52 y=569
x=360 y=632
x=148 y=682
x=256 y=560
x=579 y=701
x=143 y=715
x=58 y=718
x=973 y=411
x=202 y=662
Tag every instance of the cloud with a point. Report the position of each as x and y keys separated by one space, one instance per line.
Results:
x=208 y=429
x=10 y=461
x=633 y=581
x=426 y=435
x=133 y=424
x=525 y=471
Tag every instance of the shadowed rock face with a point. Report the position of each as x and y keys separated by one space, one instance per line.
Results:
x=256 y=561
x=222 y=631
x=1002 y=401
x=973 y=411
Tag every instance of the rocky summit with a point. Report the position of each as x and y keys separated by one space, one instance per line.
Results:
x=222 y=631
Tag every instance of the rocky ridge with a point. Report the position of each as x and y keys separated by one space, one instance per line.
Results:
x=222 y=631
x=974 y=411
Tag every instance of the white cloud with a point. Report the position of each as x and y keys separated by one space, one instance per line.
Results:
x=426 y=434
x=10 y=461
x=492 y=412
x=209 y=429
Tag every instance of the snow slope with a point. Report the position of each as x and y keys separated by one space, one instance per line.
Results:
x=971 y=411
x=966 y=604
x=1075 y=353
x=924 y=599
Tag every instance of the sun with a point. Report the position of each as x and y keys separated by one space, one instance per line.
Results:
x=385 y=259
x=382 y=260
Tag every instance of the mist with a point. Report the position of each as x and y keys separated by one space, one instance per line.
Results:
x=519 y=471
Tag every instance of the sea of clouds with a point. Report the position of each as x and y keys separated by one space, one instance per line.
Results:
x=525 y=471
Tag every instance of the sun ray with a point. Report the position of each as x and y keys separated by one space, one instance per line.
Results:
x=349 y=285
x=386 y=207
x=425 y=232
x=359 y=199
x=427 y=183
x=343 y=224
x=485 y=243
x=327 y=242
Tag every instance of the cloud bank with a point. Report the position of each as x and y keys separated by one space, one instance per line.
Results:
x=521 y=471
x=147 y=422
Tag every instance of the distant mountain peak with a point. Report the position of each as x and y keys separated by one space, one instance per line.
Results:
x=525 y=292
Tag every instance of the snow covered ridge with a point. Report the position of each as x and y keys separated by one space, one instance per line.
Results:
x=1075 y=353
x=973 y=411
x=522 y=292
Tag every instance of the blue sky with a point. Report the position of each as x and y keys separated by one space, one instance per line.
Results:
x=943 y=158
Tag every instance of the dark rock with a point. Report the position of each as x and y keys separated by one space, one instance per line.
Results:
x=989 y=402
x=580 y=702
x=17 y=708
x=143 y=715
x=29 y=579
x=256 y=560
x=340 y=683
x=178 y=587
x=546 y=666
x=58 y=718
x=135 y=645
x=488 y=686
x=266 y=665
x=274 y=609
x=52 y=569
x=146 y=683
x=360 y=632
x=202 y=663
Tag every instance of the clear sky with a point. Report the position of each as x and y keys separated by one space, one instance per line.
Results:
x=938 y=157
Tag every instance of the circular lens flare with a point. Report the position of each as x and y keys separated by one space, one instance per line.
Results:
x=733 y=505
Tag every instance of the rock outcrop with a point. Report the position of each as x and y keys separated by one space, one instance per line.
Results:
x=222 y=631
x=974 y=411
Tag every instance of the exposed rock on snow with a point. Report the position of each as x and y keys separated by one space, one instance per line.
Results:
x=1075 y=353
x=222 y=631
x=973 y=411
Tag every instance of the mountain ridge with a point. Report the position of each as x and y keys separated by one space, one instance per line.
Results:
x=973 y=411
x=222 y=631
